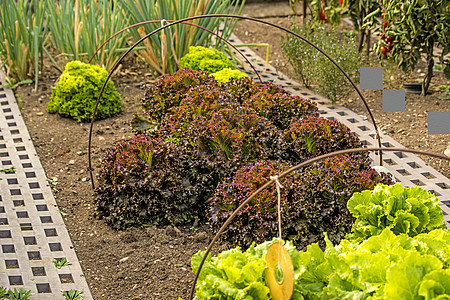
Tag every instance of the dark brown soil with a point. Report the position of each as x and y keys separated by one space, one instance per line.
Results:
x=154 y=263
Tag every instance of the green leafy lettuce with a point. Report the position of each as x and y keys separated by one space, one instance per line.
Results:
x=234 y=274
x=386 y=266
x=76 y=92
x=226 y=74
x=404 y=210
x=205 y=59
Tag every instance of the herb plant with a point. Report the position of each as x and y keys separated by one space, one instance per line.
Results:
x=313 y=68
x=76 y=93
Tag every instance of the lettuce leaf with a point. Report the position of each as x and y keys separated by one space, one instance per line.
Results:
x=404 y=210
x=386 y=266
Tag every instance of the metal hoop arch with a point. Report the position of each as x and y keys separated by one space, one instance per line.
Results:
x=222 y=16
x=284 y=174
x=190 y=24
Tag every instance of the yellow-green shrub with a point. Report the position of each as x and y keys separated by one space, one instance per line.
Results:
x=76 y=92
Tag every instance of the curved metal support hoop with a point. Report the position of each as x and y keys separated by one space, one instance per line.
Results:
x=223 y=16
x=126 y=53
x=284 y=174
x=187 y=23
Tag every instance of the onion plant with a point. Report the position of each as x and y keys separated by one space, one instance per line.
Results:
x=79 y=27
x=22 y=35
x=164 y=50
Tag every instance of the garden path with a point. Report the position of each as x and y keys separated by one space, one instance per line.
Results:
x=32 y=230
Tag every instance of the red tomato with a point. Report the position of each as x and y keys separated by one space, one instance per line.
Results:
x=383 y=50
x=390 y=39
x=385 y=24
x=341 y=2
x=383 y=14
x=322 y=16
x=403 y=14
x=384 y=56
x=390 y=47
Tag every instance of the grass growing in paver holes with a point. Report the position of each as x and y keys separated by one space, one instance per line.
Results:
x=73 y=295
x=11 y=170
x=16 y=294
x=62 y=262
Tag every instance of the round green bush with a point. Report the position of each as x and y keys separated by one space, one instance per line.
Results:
x=410 y=211
x=76 y=92
x=200 y=58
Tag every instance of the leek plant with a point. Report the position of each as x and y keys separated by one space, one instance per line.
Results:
x=79 y=27
x=164 y=50
x=22 y=35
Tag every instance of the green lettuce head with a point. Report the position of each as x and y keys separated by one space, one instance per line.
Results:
x=403 y=210
x=226 y=74
x=76 y=92
x=205 y=59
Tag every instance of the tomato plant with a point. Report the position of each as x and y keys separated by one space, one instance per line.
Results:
x=324 y=11
x=412 y=29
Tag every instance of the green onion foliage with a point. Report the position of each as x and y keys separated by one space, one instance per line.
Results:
x=164 y=50
x=79 y=27
x=22 y=35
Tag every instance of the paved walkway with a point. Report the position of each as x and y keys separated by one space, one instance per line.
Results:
x=32 y=231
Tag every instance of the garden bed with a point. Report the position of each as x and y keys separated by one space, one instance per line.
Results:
x=154 y=263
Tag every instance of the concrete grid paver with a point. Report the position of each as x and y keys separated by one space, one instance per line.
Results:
x=32 y=231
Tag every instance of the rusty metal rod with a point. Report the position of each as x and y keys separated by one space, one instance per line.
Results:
x=221 y=16
x=284 y=174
